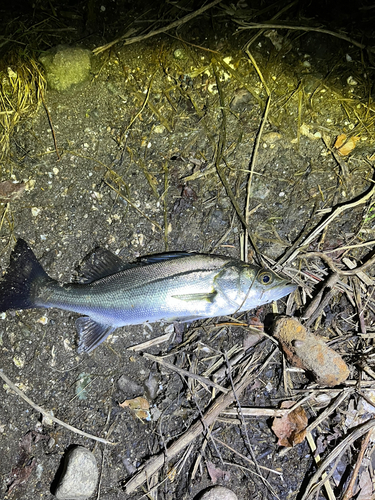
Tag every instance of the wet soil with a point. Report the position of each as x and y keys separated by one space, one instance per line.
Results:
x=136 y=175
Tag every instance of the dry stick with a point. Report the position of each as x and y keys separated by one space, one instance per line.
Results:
x=358 y=432
x=317 y=459
x=244 y=457
x=336 y=212
x=165 y=206
x=276 y=16
x=316 y=303
x=255 y=153
x=50 y=123
x=328 y=411
x=186 y=373
x=142 y=107
x=219 y=156
x=341 y=162
x=358 y=301
x=252 y=26
x=175 y=24
x=331 y=264
x=47 y=414
x=349 y=490
x=157 y=462
x=244 y=427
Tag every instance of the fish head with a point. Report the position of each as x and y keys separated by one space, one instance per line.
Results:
x=260 y=286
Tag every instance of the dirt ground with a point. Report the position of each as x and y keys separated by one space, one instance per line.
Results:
x=154 y=153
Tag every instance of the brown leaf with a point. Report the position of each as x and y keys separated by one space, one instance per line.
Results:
x=216 y=473
x=291 y=427
x=344 y=145
x=21 y=474
x=25 y=463
x=10 y=190
x=139 y=407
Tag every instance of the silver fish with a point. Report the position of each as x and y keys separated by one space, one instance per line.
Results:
x=165 y=287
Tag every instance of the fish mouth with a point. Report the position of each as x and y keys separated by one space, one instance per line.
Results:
x=285 y=289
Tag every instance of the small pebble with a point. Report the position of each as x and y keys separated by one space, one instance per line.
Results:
x=79 y=477
x=129 y=386
x=218 y=493
x=151 y=385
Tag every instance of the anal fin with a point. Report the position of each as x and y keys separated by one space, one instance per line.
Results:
x=91 y=334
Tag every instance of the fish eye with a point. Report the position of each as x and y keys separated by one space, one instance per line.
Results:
x=265 y=277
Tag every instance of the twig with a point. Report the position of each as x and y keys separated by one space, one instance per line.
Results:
x=175 y=24
x=340 y=161
x=165 y=205
x=336 y=212
x=273 y=18
x=358 y=432
x=328 y=411
x=217 y=406
x=132 y=204
x=186 y=373
x=335 y=269
x=317 y=304
x=244 y=457
x=244 y=427
x=149 y=343
x=219 y=156
x=252 y=26
x=317 y=459
x=358 y=301
x=142 y=107
x=50 y=123
x=349 y=490
x=48 y=414
x=255 y=153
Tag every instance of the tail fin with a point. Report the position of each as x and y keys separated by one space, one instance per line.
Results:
x=18 y=285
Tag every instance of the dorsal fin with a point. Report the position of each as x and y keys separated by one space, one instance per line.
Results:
x=161 y=257
x=99 y=264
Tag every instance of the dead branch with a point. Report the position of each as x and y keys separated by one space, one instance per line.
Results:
x=170 y=26
x=185 y=373
x=47 y=414
x=314 y=483
x=218 y=405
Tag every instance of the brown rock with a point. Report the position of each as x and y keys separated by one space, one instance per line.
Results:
x=309 y=352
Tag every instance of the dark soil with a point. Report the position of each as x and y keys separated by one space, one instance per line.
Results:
x=139 y=177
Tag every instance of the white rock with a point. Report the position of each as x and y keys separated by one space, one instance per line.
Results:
x=219 y=493
x=79 y=477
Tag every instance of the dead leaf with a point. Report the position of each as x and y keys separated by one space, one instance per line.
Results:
x=10 y=190
x=291 y=427
x=365 y=484
x=139 y=407
x=20 y=474
x=344 y=145
x=216 y=473
x=25 y=462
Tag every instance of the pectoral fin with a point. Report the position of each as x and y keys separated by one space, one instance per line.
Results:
x=208 y=297
x=91 y=334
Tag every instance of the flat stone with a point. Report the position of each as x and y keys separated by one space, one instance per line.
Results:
x=79 y=476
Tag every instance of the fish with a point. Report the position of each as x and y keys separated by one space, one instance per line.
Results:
x=111 y=293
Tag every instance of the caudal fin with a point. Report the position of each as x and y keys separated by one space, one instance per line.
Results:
x=24 y=274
